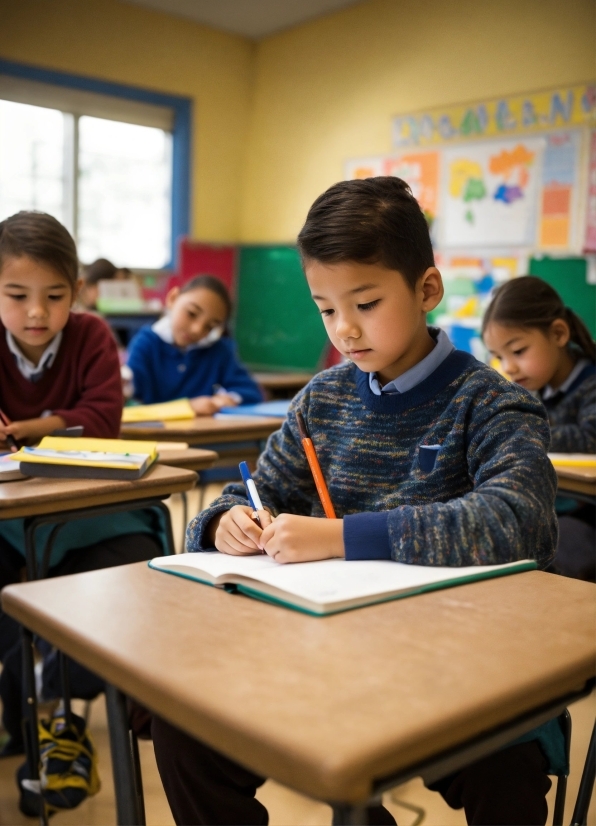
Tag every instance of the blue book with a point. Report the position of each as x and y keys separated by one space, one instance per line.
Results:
x=277 y=409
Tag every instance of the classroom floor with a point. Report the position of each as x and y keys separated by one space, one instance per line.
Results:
x=411 y=804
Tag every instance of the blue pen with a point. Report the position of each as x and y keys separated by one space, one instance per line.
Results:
x=251 y=490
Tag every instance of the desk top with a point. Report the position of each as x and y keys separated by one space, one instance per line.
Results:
x=576 y=480
x=189 y=457
x=283 y=381
x=206 y=429
x=35 y=496
x=324 y=705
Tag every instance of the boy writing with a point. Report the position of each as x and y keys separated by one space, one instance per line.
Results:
x=430 y=457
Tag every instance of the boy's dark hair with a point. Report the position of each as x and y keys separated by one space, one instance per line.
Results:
x=529 y=302
x=41 y=237
x=371 y=221
x=209 y=282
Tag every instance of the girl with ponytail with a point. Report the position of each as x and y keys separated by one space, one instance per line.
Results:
x=545 y=347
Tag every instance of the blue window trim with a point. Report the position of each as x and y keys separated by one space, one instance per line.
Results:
x=181 y=106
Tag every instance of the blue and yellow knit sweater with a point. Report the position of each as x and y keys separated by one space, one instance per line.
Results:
x=488 y=498
x=572 y=415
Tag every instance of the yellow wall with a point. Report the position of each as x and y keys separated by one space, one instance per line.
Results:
x=327 y=91
x=120 y=42
x=274 y=121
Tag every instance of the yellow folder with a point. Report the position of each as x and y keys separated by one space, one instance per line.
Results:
x=164 y=412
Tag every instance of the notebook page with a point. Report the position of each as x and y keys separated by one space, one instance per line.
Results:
x=216 y=564
x=331 y=580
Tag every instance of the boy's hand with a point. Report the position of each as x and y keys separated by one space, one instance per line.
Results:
x=303 y=538
x=234 y=532
x=208 y=405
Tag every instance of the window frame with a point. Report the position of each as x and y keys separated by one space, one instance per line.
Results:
x=181 y=132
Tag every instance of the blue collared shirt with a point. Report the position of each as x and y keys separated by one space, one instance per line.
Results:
x=419 y=371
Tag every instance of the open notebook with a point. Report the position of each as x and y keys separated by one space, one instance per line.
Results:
x=327 y=586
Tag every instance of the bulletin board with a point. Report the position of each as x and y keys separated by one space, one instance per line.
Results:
x=510 y=172
x=277 y=324
x=508 y=187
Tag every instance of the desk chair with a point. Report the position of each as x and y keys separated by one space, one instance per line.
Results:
x=586 y=786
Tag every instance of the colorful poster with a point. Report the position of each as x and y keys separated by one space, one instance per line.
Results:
x=516 y=115
x=490 y=191
x=590 y=241
x=358 y=168
x=421 y=171
x=559 y=185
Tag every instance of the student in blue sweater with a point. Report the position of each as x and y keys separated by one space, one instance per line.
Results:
x=546 y=348
x=430 y=457
x=187 y=354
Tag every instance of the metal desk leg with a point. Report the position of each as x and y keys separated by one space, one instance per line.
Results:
x=127 y=786
x=344 y=815
x=586 y=786
x=184 y=518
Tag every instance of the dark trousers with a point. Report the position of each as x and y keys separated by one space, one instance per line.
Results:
x=576 y=551
x=507 y=788
x=120 y=550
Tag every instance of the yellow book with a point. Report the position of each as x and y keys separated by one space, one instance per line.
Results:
x=87 y=458
x=581 y=460
x=163 y=412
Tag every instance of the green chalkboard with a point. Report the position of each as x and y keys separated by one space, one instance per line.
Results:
x=568 y=277
x=277 y=324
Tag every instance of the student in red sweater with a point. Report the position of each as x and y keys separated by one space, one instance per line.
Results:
x=57 y=369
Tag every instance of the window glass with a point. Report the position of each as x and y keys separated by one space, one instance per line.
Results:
x=124 y=195
x=32 y=160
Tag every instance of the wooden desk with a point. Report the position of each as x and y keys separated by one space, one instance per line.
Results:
x=206 y=430
x=282 y=385
x=189 y=458
x=33 y=497
x=333 y=707
x=577 y=480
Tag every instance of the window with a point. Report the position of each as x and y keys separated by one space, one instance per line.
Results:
x=108 y=161
x=113 y=194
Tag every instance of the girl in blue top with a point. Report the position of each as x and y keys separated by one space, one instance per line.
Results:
x=187 y=354
x=547 y=348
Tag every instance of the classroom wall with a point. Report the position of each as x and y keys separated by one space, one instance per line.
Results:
x=115 y=41
x=327 y=90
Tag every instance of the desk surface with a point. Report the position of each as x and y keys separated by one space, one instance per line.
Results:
x=206 y=429
x=32 y=497
x=189 y=457
x=324 y=705
x=577 y=480
x=283 y=381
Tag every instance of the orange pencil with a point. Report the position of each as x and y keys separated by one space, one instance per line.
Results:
x=315 y=468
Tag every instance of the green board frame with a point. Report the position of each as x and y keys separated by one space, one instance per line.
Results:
x=277 y=325
x=568 y=277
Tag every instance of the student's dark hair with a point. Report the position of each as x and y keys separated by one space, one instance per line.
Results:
x=100 y=270
x=529 y=302
x=371 y=221
x=209 y=282
x=41 y=237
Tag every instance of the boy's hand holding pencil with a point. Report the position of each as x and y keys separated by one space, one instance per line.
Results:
x=235 y=531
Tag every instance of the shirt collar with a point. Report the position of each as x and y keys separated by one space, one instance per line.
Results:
x=418 y=372
x=549 y=391
x=33 y=372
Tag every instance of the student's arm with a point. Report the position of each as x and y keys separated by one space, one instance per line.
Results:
x=579 y=437
x=140 y=359
x=235 y=377
x=508 y=516
x=99 y=406
x=283 y=480
x=30 y=430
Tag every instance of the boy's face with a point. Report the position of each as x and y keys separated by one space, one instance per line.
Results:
x=35 y=302
x=373 y=316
